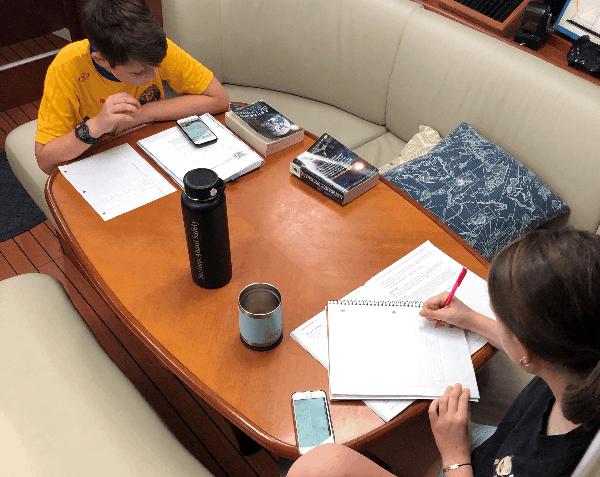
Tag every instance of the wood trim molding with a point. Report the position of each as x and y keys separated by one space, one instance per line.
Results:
x=25 y=82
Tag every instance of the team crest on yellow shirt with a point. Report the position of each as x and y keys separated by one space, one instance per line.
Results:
x=503 y=467
x=151 y=93
x=83 y=77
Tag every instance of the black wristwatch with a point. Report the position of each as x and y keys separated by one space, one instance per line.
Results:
x=82 y=132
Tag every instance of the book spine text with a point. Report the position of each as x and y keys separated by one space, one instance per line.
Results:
x=314 y=180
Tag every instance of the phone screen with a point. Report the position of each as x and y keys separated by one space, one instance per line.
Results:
x=196 y=130
x=312 y=421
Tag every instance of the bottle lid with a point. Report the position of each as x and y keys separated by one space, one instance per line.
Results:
x=202 y=184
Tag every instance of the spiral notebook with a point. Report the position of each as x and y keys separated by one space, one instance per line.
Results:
x=386 y=350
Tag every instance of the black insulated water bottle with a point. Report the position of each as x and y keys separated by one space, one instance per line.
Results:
x=206 y=228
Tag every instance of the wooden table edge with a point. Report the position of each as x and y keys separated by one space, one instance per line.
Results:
x=277 y=446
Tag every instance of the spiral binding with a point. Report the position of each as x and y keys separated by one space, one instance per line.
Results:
x=404 y=303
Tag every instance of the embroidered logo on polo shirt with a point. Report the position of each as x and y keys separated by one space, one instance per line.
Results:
x=83 y=77
x=503 y=467
x=151 y=93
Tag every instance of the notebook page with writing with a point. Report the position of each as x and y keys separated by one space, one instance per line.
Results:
x=427 y=271
x=390 y=352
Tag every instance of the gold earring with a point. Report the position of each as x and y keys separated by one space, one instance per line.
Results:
x=523 y=363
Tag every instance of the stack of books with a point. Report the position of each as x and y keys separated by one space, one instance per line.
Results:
x=261 y=126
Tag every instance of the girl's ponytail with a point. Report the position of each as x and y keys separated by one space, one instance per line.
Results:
x=581 y=403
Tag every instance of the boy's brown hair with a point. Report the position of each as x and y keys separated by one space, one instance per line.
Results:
x=123 y=31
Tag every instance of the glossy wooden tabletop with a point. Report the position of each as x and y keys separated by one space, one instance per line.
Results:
x=282 y=232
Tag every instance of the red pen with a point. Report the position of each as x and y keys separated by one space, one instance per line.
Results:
x=456 y=285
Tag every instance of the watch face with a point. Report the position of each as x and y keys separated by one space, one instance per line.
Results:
x=83 y=133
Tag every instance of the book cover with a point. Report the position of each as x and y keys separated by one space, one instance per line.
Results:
x=335 y=170
x=265 y=120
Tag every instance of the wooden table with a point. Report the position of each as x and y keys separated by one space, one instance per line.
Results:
x=282 y=232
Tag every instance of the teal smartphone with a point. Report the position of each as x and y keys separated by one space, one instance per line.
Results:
x=312 y=420
x=198 y=132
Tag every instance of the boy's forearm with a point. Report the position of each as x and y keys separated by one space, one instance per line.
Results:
x=59 y=151
x=68 y=147
x=182 y=106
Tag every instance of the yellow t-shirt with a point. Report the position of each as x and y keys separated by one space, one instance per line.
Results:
x=73 y=87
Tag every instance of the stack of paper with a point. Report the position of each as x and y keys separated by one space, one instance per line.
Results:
x=423 y=273
x=390 y=352
x=176 y=154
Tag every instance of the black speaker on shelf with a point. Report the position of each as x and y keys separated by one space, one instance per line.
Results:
x=534 y=25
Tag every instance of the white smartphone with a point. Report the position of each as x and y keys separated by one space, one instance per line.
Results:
x=312 y=420
x=198 y=132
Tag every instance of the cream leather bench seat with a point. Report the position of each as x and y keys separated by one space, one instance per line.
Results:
x=20 y=152
x=65 y=408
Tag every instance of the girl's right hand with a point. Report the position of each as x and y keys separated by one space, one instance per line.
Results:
x=455 y=314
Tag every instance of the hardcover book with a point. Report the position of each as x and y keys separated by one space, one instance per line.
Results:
x=264 y=128
x=335 y=170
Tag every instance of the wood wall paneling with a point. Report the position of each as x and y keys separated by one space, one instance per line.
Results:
x=25 y=82
x=25 y=19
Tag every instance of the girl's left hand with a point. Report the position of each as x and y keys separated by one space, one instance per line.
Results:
x=449 y=418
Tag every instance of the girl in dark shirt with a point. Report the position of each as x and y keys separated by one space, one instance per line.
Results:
x=545 y=292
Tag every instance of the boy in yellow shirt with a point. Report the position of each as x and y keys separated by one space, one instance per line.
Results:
x=113 y=82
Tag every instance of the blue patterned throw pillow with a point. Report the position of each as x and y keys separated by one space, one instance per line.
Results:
x=479 y=190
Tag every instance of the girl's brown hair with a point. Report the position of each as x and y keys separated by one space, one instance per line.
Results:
x=545 y=288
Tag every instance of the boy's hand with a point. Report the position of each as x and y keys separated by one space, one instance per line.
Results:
x=120 y=107
x=455 y=314
x=123 y=126
x=449 y=418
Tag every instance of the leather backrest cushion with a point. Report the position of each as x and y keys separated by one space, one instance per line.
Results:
x=340 y=52
x=195 y=26
x=547 y=118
